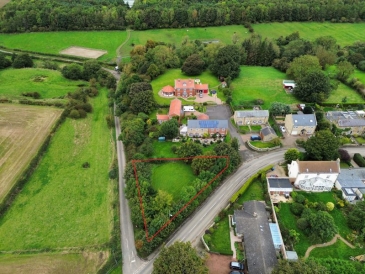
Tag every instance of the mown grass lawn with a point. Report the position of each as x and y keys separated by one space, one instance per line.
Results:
x=343 y=91
x=48 y=83
x=168 y=78
x=163 y=149
x=345 y=33
x=360 y=75
x=360 y=140
x=54 y=42
x=254 y=192
x=338 y=250
x=261 y=144
x=220 y=239
x=172 y=177
x=64 y=205
x=261 y=83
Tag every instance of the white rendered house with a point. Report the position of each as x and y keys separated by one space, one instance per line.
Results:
x=314 y=176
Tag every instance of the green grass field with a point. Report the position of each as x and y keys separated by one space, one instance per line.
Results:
x=254 y=192
x=54 y=42
x=342 y=91
x=48 y=83
x=260 y=83
x=344 y=33
x=220 y=239
x=338 y=250
x=64 y=205
x=360 y=75
x=172 y=176
x=168 y=78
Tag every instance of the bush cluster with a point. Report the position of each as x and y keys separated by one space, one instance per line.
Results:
x=359 y=160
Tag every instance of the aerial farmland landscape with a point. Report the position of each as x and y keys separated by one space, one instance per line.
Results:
x=182 y=136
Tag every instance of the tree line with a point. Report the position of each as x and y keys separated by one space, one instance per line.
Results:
x=45 y=15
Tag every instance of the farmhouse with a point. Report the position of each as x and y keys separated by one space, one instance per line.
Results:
x=198 y=128
x=185 y=88
x=253 y=117
x=303 y=124
x=267 y=134
x=252 y=223
x=175 y=110
x=352 y=122
x=352 y=184
x=314 y=175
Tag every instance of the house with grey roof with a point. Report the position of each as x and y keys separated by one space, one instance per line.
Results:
x=251 y=117
x=199 y=128
x=352 y=184
x=267 y=134
x=352 y=122
x=252 y=223
x=281 y=186
x=300 y=124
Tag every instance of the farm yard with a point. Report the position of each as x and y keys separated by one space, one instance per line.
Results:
x=23 y=130
x=64 y=205
x=48 y=83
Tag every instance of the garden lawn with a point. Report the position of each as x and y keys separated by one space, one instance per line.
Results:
x=163 y=149
x=48 y=83
x=360 y=140
x=260 y=144
x=264 y=83
x=345 y=33
x=220 y=239
x=254 y=192
x=343 y=91
x=64 y=205
x=338 y=250
x=54 y=42
x=360 y=75
x=172 y=177
x=168 y=78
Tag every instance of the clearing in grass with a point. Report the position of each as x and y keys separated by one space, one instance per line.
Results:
x=23 y=130
x=172 y=177
x=48 y=83
x=264 y=83
x=84 y=52
x=73 y=263
x=63 y=204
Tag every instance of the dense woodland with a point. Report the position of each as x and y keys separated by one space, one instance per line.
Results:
x=52 y=15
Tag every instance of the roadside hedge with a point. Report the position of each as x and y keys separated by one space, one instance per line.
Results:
x=249 y=182
x=359 y=160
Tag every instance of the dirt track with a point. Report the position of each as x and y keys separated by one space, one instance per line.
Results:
x=84 y=52
x=22 y=131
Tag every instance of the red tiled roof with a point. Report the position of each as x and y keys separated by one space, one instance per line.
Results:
x=201 y=86
x=162 y=117
x=175 y=108
x=184 y=83
x=203 y=117
x=168 y=89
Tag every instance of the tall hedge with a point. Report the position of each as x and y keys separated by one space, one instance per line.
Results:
x=359 y=160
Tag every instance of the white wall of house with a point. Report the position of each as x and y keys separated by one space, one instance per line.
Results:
x=281 y=190
x=293 y=169
x=316 y=181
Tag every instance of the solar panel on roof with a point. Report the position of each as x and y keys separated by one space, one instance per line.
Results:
x=208 y=124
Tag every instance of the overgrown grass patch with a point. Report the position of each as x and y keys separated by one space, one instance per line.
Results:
x=64 y=205
x=343 y=91
x=172 y=177
x=338 y=250
x=48 y=83
x=264 y=83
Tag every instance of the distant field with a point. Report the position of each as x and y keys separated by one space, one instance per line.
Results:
x=87 y=262
x=168 y=79
x=260 y=83
x=54 y=42
x=23 y=130
x=64 y=205
x=48 y=83
x=172 y=176
x=4 y=2
x=360 y=75
x=344 y=91
x=345 y=33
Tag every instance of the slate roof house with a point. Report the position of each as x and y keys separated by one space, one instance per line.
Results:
x=253 y=224
x=300 y=124
x=267 y=134
x=175 y=110
x=251 y=117
x=352 y=120
x=185 y=88
x=352 y=184
x=197 y=128
x=280 y=186
x=314 y=175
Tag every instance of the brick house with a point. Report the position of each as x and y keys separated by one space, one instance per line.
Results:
x=175 y=110
x=197 y=128
x=185 y=88
x=251 y=117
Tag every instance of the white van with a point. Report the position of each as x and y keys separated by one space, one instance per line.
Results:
x=188 y=108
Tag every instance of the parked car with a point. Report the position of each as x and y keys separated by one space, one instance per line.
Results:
x=236 y=266
x=201 y=95
x=255 y=138
x=282 y=128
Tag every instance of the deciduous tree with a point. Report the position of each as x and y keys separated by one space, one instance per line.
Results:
x=169 y=129
x=227 y=62
x=143 y=102
x=343 y=70
x=292 y=154
x=278 y=108
x=323 y=146
x=302 y=66
x=193 y=65
x=313 y=87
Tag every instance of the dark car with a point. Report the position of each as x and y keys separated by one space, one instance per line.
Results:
x=236 y=265
x=235 y=272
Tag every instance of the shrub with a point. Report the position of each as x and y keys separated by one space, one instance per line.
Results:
x=296 y=208
x=113 y=173
x=299 y=199
x=359 y=160
x=330 y=206
x=302 y=223
x=23 y=60
x=86 y=165
x=74 y=114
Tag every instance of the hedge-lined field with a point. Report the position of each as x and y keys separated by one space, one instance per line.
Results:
x=48 y=83
x=64 y=205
